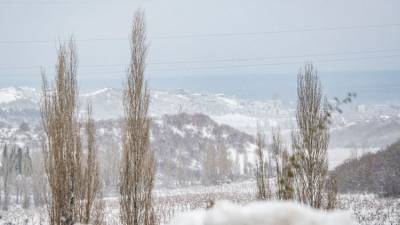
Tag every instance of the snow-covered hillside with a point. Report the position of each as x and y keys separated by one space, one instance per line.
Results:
x=21 y=104
x=365 y=127
x=181 y=143
x=239 y=113
x=107 y=103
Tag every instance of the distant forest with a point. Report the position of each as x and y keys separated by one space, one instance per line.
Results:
x=374 y=172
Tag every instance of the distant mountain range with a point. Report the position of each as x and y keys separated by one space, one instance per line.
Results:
x=357 y=123
x=107 y=104
x=186 y=123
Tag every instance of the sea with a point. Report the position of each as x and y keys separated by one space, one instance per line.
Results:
x=371 y=87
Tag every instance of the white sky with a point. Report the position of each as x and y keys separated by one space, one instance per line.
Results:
x=30 y=20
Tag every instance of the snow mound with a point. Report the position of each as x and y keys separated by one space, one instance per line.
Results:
x=262 y=213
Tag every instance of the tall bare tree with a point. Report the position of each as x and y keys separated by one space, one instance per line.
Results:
x=137 y=163
x=262 y=180
x=62 y=149
x=310 y=140
x=91 y=178
x=72 y=175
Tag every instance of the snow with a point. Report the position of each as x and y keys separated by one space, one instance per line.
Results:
x=191 y=128
x=262 y=213
x=229 y=101
x=206 y=132
x=366 y=209
x=251 y=152
x=240 y=159
x=177 y=131
x=11 y=94
x=182 y=96
x=385 y=117
x=158 y=121
x=6 y=97
x=97 y=92
x=238 y=121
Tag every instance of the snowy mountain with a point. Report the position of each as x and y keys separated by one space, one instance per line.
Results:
x=13 y=96
x=19 y=104
x=242 y=114
x=107 y=104
x=360 y=126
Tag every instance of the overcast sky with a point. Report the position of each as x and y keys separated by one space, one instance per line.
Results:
x=25 y=24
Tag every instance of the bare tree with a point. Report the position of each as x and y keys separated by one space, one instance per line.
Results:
x=26 y=174
x=39 y=187
x=178 y=171
x=210 y=169
x=310 y=140
x=224 y=163
x=284 y=168
x=17 y=181
x=331 y=193
x=236 y=168
x=8 y=169
x=217 y=165
x=110 y=159
x=262 y=179
x=62 y=149
x=137 y=163
x=91 y=178
x=73 y=178
x=98 y=217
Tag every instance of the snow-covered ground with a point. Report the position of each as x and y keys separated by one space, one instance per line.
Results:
x=365 y=209
x=262 y=213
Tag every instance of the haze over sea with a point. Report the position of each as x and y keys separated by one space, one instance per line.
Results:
x=370 y=87
x=373 y=87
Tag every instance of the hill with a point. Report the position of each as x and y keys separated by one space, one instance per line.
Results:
x=374 y=172
x=180 y=142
